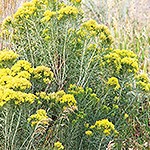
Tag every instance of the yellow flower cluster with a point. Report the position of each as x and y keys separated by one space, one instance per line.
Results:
x=5 y=72
x=68 y=99
x=122 y=61
x=126 y=116
x=18 y=97
x=15 y=83
x=25 y=11
x=143 y=77
x=7 y=56
x=60 y=97
x=88 y=133
x=21 y=65
x=125 y=53
x=16 y=79
x=74 y=89
x=114 y=61
x=39 y=118
x=43 y=95
x=104 y=126
x=67 y=10
x=43 y=73
x=58 y=146
x=90 y=25
x=48 y=15
x=65 y=99
x=91 y=28
x=113 y=81
x=23 y=74
x=143 y=82
x=130 y=63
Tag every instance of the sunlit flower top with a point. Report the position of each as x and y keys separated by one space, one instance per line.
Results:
x=113 y=81
x=7 y=56
x=143 y=82
x=48 y=15
x=40 y=117
x=21 y=65
x=17 y=97
x=67 y=10
x=58 y=146
x=43 y=73
x=122 y=61
x=102 y=127
x=91 y=28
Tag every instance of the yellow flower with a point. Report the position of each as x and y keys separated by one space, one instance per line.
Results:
x=106 y=132
x=143 y=77
x=21 y=65
x=74 y=89
x=122 y=61
x=24 y=74
x=5 y=72
x=113 y=81
x=67 y=10
x=103 y=36
x=86 y=125
x=40 y=117
x=144 y=86
x=40 y=3
x=113 y=60
x=103 y=126
x=125 y=53
x=104 y=123
x=25 y=11
x=7 y=21
x=58 y=146
x=68 y=99
x=15 y=82
x=130 y=63
x=88 y=132
x=43 y=95
x=48 y=15
x=126 y=116
x=18 y=97
x=60 y=93
x=115 y=106
x=7 y=55
x=92 y=126
x=44 y=73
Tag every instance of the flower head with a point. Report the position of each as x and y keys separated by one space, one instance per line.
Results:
x=113 y=81
x=58 y=146
x=88 y=133
x=40 y=117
